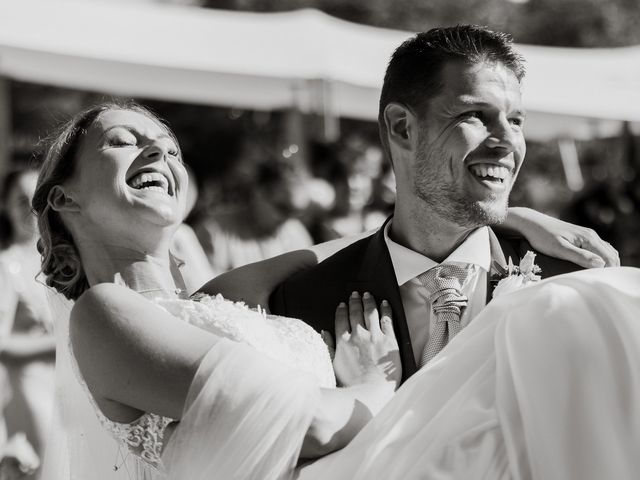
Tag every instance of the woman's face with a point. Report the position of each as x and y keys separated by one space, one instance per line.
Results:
x=129 y=175
x=19 y=197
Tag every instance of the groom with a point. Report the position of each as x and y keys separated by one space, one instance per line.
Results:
x=450 y=121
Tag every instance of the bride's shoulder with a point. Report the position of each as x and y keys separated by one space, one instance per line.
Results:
x=109 y=307
x=106 y=297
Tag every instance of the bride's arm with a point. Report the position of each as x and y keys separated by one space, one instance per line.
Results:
x=560 y=239
x=253 y=283
x=135 y=357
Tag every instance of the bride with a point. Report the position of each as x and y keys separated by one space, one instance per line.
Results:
x=542 y=384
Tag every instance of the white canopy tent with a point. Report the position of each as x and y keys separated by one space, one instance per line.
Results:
x=304 y=59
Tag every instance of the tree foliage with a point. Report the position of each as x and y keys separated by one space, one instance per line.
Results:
x=569 y=23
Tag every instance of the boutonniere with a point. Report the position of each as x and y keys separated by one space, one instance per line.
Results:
x=517 y=276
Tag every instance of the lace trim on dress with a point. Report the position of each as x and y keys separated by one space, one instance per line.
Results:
x=143 y=437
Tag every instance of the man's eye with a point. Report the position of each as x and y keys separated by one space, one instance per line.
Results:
x=518 y=122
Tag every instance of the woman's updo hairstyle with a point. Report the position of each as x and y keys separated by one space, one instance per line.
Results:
x=61 y=262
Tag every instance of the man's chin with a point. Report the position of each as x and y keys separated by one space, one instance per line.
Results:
x=491 y=214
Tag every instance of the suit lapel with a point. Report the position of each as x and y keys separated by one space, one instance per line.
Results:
x=498 y=264
x=377 y=276
x=501 y=251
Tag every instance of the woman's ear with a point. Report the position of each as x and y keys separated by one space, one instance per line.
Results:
x=399 y=122
x=61 y=201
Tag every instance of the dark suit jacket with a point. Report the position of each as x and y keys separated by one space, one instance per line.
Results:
x=313 y=295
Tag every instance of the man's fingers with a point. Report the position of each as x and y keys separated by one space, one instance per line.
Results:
x=355 y=312
x=371 y=318
x=581 y=256
x=386 y=324
x=342 y=321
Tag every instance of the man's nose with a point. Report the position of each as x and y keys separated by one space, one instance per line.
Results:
x=502 y=135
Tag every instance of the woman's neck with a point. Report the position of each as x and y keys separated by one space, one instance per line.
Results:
x=152 y=274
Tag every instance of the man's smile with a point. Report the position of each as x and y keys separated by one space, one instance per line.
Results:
x=491 y=176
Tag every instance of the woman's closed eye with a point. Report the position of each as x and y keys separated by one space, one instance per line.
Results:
x=122 y=139
x=173 y=150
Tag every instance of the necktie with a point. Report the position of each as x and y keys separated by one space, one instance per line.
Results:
x=444 y=284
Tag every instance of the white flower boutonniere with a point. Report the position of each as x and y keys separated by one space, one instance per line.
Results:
x=518 y=276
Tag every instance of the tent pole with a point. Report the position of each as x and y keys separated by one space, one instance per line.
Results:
x=571 y=164
x=330 y=120
x=5 y=126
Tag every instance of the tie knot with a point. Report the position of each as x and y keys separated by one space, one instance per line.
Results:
x=444 y=284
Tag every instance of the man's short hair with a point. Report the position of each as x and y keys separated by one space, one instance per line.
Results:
x=413 y=73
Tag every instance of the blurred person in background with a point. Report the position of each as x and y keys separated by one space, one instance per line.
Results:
x=259 y=221
x=384 y=190
x=28 y=352
x=355 y=174
x=18 y=460
x=195 y=267
x=7 y=311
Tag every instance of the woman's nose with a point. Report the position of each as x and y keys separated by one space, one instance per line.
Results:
x=156 y=150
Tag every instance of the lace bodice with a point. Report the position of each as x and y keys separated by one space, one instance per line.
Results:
x=287 y=340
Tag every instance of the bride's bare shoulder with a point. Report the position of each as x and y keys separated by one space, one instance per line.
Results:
x=129 y=349
x=106 y=301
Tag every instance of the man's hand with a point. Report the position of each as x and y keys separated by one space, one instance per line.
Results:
x=563 y=240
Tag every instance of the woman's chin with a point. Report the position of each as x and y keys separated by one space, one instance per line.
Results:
x=164 y=217
x=159 y=212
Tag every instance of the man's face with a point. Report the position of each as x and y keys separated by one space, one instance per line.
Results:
x=470 y=144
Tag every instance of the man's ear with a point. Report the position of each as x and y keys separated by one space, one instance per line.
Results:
x=60 y=200
x=399 y=122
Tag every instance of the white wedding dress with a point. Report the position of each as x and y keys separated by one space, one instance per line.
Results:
x=543 y=384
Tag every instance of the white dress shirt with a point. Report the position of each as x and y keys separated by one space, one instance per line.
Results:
x=475 y=250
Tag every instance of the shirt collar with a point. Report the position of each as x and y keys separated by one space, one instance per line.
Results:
x=409 y=264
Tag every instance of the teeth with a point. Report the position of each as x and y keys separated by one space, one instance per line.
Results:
x=154 y=181
x=492 y=171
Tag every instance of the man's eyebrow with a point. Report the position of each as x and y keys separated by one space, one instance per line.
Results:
x=466 y=102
